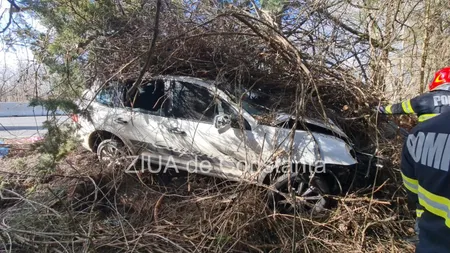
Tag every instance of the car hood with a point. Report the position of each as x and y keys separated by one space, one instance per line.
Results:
x=305 y=123
x=309 y=147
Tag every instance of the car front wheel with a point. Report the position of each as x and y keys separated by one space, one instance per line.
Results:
x=112 y=152
x=305 y=195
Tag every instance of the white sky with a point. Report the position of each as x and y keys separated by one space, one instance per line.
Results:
x=11 y=58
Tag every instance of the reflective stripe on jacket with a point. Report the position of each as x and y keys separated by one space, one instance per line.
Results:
x=425 y=172
x=426 y=106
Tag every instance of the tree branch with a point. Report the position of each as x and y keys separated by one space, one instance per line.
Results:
x=361 y=35
x=14 y=8
x=13 y=4
x=149 y=52
x=8 y=23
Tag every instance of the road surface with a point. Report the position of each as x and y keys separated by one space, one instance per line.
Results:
x=24 y=127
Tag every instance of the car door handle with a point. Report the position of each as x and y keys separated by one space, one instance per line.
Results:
x=176 y=130
x=120 y=121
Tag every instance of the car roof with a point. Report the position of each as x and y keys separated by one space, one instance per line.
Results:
x=189 y=79
x=194 y=80
x=205 y=83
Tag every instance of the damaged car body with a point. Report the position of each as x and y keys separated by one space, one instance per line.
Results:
x=191 y=124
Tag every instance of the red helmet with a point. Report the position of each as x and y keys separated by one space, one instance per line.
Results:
x=440 y=77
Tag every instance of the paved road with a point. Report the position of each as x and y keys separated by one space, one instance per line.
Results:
x=22 y=127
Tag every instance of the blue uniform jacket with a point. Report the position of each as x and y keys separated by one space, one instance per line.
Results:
x=425 y=171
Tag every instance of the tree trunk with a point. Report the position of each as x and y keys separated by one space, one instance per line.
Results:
x=425 y=45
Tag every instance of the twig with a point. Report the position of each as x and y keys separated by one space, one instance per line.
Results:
x=149 y=52
x=157 y=206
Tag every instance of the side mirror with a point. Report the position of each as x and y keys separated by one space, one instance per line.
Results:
x=222 y=122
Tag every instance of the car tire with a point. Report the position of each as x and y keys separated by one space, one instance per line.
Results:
x=318 y=188
x=112 y=151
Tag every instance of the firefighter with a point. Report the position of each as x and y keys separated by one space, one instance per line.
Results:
x=426 y=105
x=425 y=164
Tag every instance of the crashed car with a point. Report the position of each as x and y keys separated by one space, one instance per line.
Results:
x=192 y=125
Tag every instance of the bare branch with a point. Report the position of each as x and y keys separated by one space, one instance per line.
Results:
x=149 y=52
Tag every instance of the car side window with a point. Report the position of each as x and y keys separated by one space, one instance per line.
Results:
x=110 y=96
x=192 y=102
x=149 y=98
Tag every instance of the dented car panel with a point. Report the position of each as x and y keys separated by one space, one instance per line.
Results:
x=175 y=129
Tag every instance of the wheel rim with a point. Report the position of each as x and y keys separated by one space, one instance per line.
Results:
x=111 y=155
x=308 y=198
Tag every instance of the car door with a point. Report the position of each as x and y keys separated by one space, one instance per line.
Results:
x=237 y=141
x=155 y=135
x=109 y=113
x=192 y=114
x=147 y=111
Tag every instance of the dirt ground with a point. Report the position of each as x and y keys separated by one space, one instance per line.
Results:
x=81 y=206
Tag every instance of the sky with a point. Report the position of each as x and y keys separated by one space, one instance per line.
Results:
x=11 y=58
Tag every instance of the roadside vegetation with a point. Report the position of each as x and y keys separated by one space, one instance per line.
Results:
x=324 y=59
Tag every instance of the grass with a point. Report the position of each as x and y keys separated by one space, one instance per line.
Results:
x=83 y=207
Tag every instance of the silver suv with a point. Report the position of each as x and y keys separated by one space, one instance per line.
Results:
x=191 y=125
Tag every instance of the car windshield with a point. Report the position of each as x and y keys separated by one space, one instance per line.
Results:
x=253 y=108
x=253 y=103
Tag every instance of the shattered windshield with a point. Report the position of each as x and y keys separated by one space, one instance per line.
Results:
x=252 y=102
